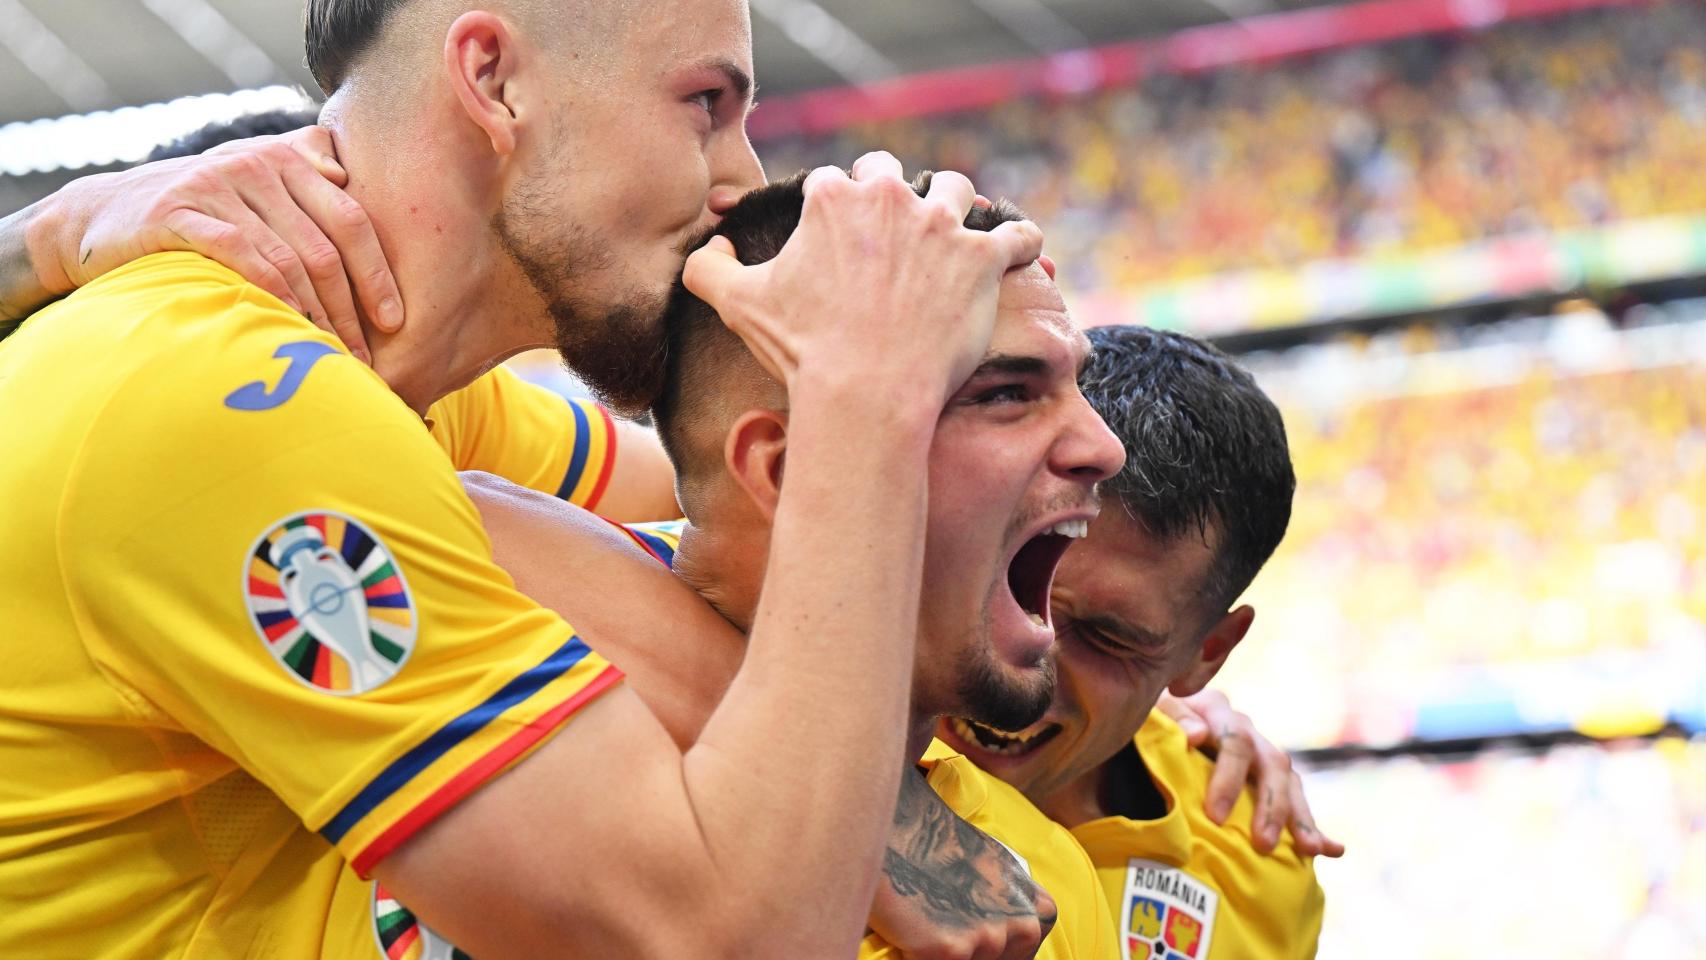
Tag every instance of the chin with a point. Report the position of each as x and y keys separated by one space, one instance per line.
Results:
x=1005 y=697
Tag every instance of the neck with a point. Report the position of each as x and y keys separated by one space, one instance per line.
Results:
x=921 y=729
x=1121 y=787
x=467 y=307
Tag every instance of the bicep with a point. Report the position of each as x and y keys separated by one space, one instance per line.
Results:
x=632 y=609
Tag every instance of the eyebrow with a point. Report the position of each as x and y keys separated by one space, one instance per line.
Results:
x=998 y=364
x=737 y=78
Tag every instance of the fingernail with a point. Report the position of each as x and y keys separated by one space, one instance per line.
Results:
x=390 y=313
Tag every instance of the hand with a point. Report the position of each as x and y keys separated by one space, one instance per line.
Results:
x=949 y=892
x=1211 y=725
x=270 y=208
x=877 y=287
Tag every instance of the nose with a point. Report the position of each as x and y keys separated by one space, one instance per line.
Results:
x=1089 y=451
x=738 y=171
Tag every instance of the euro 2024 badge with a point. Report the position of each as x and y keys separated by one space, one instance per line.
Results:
x=402 y=937
x=330 y=603
x=1166 y=914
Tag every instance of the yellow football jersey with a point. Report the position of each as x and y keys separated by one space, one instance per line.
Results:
x=528 y=435
x=252 y=630
x=1185 y=888
x=1084 y=929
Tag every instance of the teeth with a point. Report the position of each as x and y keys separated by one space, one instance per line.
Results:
x=1037 y=619
x=1076 y=529
x=993 y=740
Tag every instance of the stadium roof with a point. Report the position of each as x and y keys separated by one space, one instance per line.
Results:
x=60 y=57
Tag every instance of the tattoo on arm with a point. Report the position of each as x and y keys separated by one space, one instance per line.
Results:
x=958 y=875
x=21 y=291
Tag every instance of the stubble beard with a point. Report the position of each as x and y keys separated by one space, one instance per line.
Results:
x=618 y=348
x=992 y=695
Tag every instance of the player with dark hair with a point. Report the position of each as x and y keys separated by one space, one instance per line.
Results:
x=256 y=595
x=1145 y=603
x=1012 y=473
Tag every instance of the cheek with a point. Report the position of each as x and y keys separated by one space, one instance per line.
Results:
x=1117 y=702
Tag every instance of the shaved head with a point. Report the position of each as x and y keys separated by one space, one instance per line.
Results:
x=709 y=377
x=339 y=34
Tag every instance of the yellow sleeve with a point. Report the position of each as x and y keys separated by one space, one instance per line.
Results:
x=528 y=435
x=275 y=557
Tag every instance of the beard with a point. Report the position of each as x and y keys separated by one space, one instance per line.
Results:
x=616 y=347
x=994 y=697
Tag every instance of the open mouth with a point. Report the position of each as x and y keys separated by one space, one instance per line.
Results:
x=1031 y=574
x=1001 y=742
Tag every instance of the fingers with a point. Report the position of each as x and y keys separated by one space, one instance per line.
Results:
x=277 y=250
x=1306 y=837
x=952 y=191
x=1272 y=808
x=1020 y=240
x=1231 y=769
x=319 y=257
x=362 y=262
x=189 y=230
x=1194 y=724
x=712 y=271
x=314 y=144
x=1047 y=913
x=877 y=165
x=1047 y=263
x=818 y=177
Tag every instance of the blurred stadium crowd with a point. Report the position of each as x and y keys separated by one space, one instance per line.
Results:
x=1499 y=528
x=1496 y=528
x=1416 y=144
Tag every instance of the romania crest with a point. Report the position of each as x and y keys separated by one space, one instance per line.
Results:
x=402 y=937
x=1166 y=913
x=330 y=603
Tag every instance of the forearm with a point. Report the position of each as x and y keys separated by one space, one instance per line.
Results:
x=807 y=748
x=29 y=280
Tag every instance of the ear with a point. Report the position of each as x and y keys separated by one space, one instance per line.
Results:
x=481 y=57
x=1216 y=647
x=754 y=453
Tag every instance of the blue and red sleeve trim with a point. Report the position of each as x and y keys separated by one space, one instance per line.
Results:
x=582 y=451
x=411 y=764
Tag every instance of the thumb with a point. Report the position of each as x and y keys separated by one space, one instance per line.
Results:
x=712 y=272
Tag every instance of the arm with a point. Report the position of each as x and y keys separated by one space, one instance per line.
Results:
x=23 y=290
x=269 y=208
x=573 y=449
x=947 y=890
x=642 y=482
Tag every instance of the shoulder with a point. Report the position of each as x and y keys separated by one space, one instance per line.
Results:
x=1286 y=878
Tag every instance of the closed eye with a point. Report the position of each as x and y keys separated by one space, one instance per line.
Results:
x=1005 y=393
